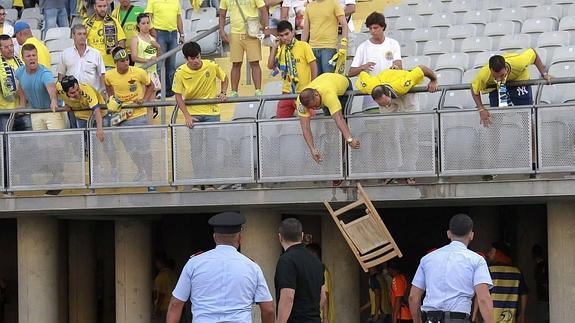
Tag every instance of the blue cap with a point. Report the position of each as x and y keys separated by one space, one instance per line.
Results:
x=21 y=25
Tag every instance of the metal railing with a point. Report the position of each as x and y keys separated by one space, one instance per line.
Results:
x=394 y=145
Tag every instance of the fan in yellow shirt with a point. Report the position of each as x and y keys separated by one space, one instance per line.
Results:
x=24 y=36
x=197 y=80
x=128 y=84
x=327 y=92
x=391 y=84
x=82 y=99
x=499 y=70
x=104 y=32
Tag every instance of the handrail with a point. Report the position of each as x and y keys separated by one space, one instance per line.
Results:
x=418 y=89
x=173 y=51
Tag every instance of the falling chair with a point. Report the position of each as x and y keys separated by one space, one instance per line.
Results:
x=367 y=235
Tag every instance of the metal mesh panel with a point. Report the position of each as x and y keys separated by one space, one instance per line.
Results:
x=46 y=160
x=1 y=162
x=214 y=154
x=284 y=155
x=393 y=146
x=129 y=156
x=556 y=137
x=468 y=148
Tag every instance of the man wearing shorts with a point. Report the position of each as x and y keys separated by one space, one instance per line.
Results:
x=389 y=89
x=241 y=42
x=296 y=62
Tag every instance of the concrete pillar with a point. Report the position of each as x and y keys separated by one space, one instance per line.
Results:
x=561 y=239
x=133 y=272
x=485 y=226
x=37 y=269
x=260 y=243
x=344 y=270
x=82 y=272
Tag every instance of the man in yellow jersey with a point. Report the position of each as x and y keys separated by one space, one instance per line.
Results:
x=499 y=70
x=166 y=18
x=320 y=30
x=104 y=32
x=197 y=80
x=389 y=89
x=83 y=99
x=327 y=92
x=127 y=85
x=296 y=63
x=239 y=40
x=9 y=98
x=24 y=36
x=126 y=14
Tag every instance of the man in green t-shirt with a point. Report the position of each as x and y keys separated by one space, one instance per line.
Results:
x=127 y=14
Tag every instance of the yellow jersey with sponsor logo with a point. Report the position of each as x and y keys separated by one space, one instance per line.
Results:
x=89 y=100
x=400 y=81
x=199 y=84
x=164 y=13
x=129 y=87
x=302 y=54
x=97 y=40
x=330 y=86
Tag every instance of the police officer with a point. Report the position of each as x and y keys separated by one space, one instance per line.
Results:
x=222 y=284
x=449 y=277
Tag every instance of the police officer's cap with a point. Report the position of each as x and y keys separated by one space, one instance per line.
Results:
x=227 y=222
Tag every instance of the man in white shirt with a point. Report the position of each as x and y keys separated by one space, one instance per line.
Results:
x=5 y=28
x=376 y=54
x=83 y=62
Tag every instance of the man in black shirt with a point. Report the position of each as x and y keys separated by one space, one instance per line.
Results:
x=542 y=284
x=298 y=279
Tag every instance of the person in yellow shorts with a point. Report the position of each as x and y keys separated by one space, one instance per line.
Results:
x=127 y=85
x=327 y=92
x=499 y=70
x=240 y=41
x=83 y=99
x=197 y=80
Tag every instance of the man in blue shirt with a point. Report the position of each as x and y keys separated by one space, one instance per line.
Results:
x=38 y=87
x=222 y=284
x=450 y=277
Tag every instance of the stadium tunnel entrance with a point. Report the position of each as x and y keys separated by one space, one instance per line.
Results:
x=85 y=270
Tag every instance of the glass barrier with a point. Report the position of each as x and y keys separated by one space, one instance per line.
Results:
x=556 y=138
x=393 y=145
x=214 y=153
x=469 y=148
x=284 y=155
x=129 y=157
x=44 y=160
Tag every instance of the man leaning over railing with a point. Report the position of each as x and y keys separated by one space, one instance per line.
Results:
x=499 y=70
x=327 y=91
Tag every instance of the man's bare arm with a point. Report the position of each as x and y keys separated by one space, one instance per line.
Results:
x=415 y=297
x=485 y=302
x=285 y=304
x=174 y=310
x=268 y=314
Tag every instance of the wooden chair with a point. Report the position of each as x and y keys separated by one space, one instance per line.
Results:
x=367 y=235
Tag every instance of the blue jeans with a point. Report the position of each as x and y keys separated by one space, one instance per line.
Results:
x=168 y=40
x=72 y=8
x=55 y=18
x=106 y=122
x=204 y=118
x=21 y=123
x=322 y=57
x=519 y=95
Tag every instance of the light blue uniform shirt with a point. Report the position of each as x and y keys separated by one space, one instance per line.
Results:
x=449 y=276
x=222 y=285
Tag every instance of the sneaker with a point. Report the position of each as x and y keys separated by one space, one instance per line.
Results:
x=259 y=92
x=151 y=188
x=209 y=188
x=488 y=178
x=337 y=183
x=233 y=94
x=53 y=192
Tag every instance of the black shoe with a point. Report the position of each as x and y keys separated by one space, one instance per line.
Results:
x=53 y=192
x=488 y=177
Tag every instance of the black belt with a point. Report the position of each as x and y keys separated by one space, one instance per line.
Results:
x=440 y=316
